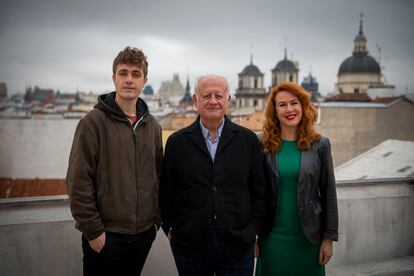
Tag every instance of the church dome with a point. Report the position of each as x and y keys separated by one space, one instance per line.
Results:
x=286 y=65
x=360 y=61
x=359 y=64
x=251 y=70
x=360 y=37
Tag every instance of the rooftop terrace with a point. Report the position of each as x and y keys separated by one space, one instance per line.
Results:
x=38 y=237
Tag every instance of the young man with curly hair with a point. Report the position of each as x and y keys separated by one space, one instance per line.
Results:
x=113 y=174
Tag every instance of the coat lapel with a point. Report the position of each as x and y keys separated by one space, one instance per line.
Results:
x=305 y=156
x=197 y=137
x=226 y=136
x=272 y=160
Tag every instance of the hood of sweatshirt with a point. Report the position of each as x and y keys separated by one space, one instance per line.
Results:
x=106 y=102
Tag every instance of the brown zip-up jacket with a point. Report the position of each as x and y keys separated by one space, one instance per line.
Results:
x=114 y=170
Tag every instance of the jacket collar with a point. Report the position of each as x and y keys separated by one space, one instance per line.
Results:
x=106 y=102
x=228 y=133
x=306 y=158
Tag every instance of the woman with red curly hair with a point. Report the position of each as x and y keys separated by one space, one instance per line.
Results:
x=301 y=213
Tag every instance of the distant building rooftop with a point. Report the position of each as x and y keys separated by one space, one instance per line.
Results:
x=353 y=104
x=390 y=159
x=349 y=97
x=386 y=100
x=251 y=70
x=377 y=102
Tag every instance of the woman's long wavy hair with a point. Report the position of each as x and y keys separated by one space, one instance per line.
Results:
x=306 y=133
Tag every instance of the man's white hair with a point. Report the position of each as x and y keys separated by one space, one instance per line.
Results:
x=199 y=79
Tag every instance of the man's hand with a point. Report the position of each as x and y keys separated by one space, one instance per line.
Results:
x=325 y=252
x=98 y=243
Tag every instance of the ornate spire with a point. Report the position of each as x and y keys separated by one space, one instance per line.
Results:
x=186 y=99
x=187 y=86
x=361 y=32
x=360 y=41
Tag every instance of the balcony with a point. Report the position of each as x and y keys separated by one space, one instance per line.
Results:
x=38 y=237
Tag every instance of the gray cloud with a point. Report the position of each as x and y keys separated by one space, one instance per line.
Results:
x=69 y=44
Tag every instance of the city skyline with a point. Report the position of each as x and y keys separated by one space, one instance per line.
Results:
x=70 y=45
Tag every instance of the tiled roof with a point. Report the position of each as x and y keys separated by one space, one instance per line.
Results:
x=251 y=70
x=286 y=65
x=386 y=100
x=31 y=187
x=349 y=97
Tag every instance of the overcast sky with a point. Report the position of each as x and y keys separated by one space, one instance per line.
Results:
x=70 y=44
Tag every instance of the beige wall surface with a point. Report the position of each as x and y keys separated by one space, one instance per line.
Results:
x=354 y=130
x=349 y=82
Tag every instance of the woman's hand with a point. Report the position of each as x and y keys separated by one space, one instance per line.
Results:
x=325 y=252
x=256 y=250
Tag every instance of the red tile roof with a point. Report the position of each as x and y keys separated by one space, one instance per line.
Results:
x=31 y=187
x=386 y=100
x=349 y=97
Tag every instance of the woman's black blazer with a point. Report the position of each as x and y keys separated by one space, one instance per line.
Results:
x=316 y=193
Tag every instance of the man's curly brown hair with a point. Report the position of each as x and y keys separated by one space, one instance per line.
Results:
x=131 y=56
x=306 y=133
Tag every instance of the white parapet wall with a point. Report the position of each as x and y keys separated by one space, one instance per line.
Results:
x=376 y=220
x=38 y=237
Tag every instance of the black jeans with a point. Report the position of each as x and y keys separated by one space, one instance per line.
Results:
x=215 y=263
x=122 y=254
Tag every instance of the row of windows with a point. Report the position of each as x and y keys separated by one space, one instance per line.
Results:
x=255 y=102
x=289 y=78
x=255 y=83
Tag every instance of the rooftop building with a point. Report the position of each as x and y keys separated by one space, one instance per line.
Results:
x=354 y=127
x=311 y=85
x=148 y=90
x=187 y=100
x=251 y=92
x=285 y=70
x=172 y=91
x=3 y=90
x=359 y=71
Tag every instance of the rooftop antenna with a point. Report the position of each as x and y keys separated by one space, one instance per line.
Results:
x=379 y=53
x=251 y=53
x=379 y=61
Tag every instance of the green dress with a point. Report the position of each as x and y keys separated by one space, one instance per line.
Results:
x=286 y=251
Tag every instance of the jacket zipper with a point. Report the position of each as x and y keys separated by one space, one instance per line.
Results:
x=136 y=170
